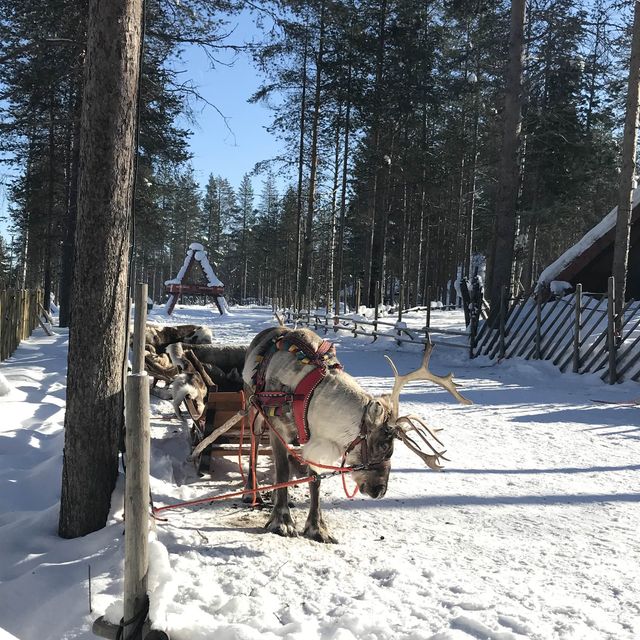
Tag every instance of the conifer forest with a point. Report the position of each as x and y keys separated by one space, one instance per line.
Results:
x=392 y=117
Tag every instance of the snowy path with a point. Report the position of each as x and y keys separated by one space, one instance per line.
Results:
x=530 y=533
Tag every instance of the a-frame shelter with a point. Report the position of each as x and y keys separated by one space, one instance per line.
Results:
x=195 y=278
x=589 y=262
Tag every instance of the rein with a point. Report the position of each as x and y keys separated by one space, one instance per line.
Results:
x=331 y=470
x=264 y=403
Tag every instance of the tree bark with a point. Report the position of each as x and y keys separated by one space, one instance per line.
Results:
x=509 y=170
x=66 y=276
x=625 y=193
x=311 y=201
x=97 y=339
x=303 y=108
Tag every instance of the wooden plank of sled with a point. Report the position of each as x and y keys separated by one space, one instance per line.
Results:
x=233 y=453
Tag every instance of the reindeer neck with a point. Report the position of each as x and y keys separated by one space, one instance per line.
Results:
x=337 y=407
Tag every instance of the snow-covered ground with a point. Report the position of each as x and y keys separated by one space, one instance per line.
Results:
x=531 y=532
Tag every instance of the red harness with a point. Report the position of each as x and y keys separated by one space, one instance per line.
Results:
x=300 y=399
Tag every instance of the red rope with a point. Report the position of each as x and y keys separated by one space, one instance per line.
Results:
x=255 y=489
x=234 y=494
x=294 y=453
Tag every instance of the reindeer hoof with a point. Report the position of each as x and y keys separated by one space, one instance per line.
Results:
x=319 y=534
x=282 y=524
x=248 y=498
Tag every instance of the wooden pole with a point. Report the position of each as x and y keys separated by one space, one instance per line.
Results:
x=136 y=563
x=503 y=302
x=576 y=329
x=538 y=326
x=611 y=330
x=375 y=311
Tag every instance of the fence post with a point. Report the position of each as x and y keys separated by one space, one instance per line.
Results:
x=538 y=325
x=137 y=479
x=576 y=329
x=611 y=330
x=375 y=312
x=503 y=302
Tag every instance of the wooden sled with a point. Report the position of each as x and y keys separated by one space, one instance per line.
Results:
x=219 y=407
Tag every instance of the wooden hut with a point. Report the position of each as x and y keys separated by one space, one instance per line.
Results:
x=590 y=260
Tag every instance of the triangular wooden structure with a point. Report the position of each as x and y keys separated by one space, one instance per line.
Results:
x=187 y=283
x=589 y=261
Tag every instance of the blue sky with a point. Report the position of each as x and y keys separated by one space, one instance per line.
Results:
x=229 y=150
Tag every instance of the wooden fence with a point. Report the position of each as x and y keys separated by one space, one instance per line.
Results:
x=376 y=328
x=19 y=316
x=578 y=332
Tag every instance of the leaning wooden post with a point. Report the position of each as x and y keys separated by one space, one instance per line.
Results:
x=611 y=330
x=136 y=562
x=576 y=329
x=503 y=302
x=538 y=326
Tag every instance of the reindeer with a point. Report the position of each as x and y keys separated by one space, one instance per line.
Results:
x=159 y=336
x=226 y=357
x=342 y=420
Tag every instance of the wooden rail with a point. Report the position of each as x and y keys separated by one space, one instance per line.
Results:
x=19 y=316
x=357 y=327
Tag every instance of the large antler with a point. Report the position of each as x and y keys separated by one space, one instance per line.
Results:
x=432 y=460
x=422 y=373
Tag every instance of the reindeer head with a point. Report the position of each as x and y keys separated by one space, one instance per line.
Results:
x=374 y=449
x=404 y=424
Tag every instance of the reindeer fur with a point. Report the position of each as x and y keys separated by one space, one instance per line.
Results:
x=159 y=336
x=226 y=357
x=336 y=411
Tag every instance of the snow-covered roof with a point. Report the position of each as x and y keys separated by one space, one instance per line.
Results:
x=588 y=240
x=196 y=250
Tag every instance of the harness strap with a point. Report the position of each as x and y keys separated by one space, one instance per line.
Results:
x=302 y=399
x=275 y=401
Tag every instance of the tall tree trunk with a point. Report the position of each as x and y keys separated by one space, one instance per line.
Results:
x=68 y=244
x=343 y=194
x=625 y=193
x=97 y=339
x=508 y=177
x=331 y=285
x=370 y=275
x=311 y=201
x=303 y=108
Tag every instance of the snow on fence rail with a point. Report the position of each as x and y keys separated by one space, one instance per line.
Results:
x=577 y=332
x=375 y=328
x=19 y=316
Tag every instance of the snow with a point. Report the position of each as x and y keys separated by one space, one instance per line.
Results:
x=560 y=287
x=196 y=251
x=531 y=532
x=5 y=386
x=590 y=238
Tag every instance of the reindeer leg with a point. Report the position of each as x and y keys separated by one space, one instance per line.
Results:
x=280 y=521
x=315 y=528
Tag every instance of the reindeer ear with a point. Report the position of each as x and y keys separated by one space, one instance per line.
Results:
x=376 y=413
